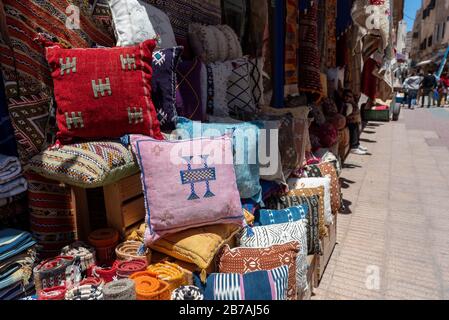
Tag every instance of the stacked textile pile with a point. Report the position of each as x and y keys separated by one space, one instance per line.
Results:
x=232 y=197
x=17 y=258
x=12 y=182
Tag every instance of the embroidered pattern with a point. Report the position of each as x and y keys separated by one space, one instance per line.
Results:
x=193 y=176
x=128 y=61
x=157 y=150
x=69 y=65
x=210 y=90
x=159 y=58
x=75 y=119
x=101 y=87
x=135 y=115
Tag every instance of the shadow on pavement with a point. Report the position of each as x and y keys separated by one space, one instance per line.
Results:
x=346 y=207
x=345 y=183
x=368 y=140
x=350 y=166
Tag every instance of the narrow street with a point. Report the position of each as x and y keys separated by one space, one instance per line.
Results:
x=397 y=226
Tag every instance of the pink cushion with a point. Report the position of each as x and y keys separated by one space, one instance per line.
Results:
x=187 y=184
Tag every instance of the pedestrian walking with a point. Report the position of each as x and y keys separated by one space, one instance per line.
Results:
x=411 y=87
x=428 y=86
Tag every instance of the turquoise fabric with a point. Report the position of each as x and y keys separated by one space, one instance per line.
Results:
x=246 y=170
x=292 y=214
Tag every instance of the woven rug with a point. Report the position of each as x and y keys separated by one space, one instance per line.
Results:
x=7 y=142
x=291 y=43
x=25 y=70
x=331 y=37
x=52 y=220
x=309 y=55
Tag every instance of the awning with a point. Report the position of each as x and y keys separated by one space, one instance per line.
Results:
x=423 y=63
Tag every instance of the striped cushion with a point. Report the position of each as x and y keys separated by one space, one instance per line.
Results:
x=87 y=165
x=258 y=285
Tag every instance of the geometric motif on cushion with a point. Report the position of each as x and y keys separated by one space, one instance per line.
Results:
x=266 y=236
x=25 y=70
x=103 y=92
x=257 y=285
x=87 y=165
x=327 y=169
x=281 y=202
x=197 y=191
x=52 y=220
x=244 y=260
x=240 y=97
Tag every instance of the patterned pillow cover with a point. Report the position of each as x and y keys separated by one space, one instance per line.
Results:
x=86 y=165
x=266 y=236
x=239 y=94
x=244 y=260
x=245 y=159
x=266 y=217
x=322 y=170
x=266 y=171
x=214 y=43
x=280 y=202
x=161 y=24
x=197 y=245
x=199 y=186
x=214 y=84
x=189 y=102
x=325 y=182
x=131 y=22
x=165 y=63
x=309 y=192
x=257 y=285
x=103 y=92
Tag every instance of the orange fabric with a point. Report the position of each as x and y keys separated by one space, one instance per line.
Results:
x=148 y=287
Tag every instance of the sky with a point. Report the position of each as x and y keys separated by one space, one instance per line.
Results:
x=411 y=6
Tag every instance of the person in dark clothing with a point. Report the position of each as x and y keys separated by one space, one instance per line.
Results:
x=428 y=85
x=352 y=112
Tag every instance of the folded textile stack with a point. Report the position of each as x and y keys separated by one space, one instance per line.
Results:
x=11 y=181
x=17 y=258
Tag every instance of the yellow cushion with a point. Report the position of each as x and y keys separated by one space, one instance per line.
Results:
x=198 y=246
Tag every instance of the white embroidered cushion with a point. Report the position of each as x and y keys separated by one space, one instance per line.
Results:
x=295 y=183
x=131 y=22
x=266 y=236
x=136 y=21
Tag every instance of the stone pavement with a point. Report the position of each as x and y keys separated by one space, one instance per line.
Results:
x=394 y=243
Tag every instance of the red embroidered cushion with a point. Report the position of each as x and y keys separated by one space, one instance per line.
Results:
x=103 y=92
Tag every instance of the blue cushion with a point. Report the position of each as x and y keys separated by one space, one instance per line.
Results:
x=292 y=214
x=247 y=170
x=258 y=285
